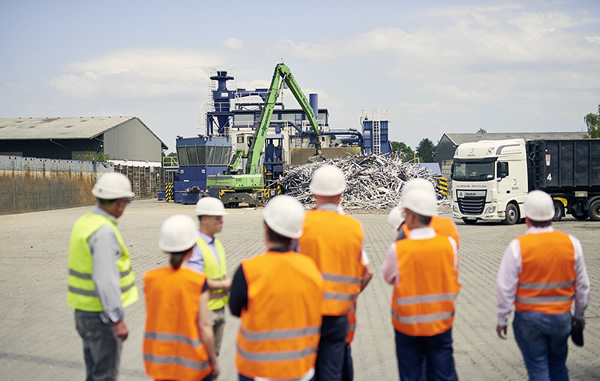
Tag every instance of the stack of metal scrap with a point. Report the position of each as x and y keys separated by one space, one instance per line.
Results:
x=372 y=182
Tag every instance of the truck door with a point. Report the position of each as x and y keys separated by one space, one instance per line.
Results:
x=506 y=181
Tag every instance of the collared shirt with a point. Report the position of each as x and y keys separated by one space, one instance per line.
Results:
x=106 y=251
x=196 y=261
x=510 y=268
x=389 y=269
x=338 y=209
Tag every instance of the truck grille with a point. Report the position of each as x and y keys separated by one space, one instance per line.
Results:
x=471 y=205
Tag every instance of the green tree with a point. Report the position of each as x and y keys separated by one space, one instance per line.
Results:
x=170 y=159
x=425 y=150
x=96 y=157
x=593 y=124
x=482 y=131
x=403 y=149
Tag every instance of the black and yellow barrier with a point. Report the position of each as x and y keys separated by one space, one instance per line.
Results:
x=169 y=196
x=443 y=184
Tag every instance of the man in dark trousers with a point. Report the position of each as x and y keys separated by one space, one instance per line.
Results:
x=278 y=295
x=423 y=268
x=335 y=243
x=101 y=280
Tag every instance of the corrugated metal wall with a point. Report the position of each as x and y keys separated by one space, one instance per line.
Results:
x=29 y=184
x=132 y=141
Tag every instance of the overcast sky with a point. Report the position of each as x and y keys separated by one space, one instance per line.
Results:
x=505 y=66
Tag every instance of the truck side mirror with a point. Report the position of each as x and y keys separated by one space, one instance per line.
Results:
x=502 y=169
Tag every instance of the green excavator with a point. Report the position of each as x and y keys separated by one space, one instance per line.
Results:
x=249 y=186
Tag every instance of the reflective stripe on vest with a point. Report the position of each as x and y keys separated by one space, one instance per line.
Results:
x=552 y=290
x=158 y=336
x=422 y=318
x=280 y=334
x=174 y=360
x=276 y=356
x=82 y=293
x=280 y=328
x=172 y=346
x=351 y=324
x=424 y=298
x=334 y=242
x=214 y=269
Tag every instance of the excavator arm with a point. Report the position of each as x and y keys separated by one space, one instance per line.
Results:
x=281 y=72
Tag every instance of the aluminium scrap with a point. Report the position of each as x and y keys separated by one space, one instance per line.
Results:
x=372 y=182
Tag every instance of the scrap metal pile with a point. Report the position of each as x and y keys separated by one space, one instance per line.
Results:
x=372 y=182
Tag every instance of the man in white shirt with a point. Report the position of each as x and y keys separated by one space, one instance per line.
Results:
x=542 y=273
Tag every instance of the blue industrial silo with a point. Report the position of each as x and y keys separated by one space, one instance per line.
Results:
x=375 y=125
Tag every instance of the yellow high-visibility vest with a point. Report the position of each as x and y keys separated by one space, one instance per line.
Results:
x=214 y=270
x=82 y=294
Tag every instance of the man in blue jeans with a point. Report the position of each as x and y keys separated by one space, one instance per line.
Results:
x=541 y=273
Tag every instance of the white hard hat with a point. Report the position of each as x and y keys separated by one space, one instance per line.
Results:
x=285 y=216
x=178 y=233
x=328 y=180
x=539 y=206
x=418 y=183
x=420 y=202
x=112 y=186
x=395 y=218
x=210 y=206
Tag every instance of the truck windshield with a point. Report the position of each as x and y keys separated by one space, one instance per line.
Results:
x=481 y=170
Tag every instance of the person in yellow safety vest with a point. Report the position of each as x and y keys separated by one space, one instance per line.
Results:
x=335 y=242
x=178 y=336
x=101 y=280
x=278 y=295
x=542 y=273
x=423 y=268
x=209 y=258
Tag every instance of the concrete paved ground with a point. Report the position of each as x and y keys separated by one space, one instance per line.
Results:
x=38 y=339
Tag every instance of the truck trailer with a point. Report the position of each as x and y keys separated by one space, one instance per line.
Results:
x=491 y=178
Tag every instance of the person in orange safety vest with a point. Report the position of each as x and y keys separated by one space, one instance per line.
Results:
x=423 y=268
x=278 y=296
x=542 y=273
x=178 y=338
x=335 y=242
x=442 y=225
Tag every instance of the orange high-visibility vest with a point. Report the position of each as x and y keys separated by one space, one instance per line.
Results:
x=351 y=324
x=334 y=242
x=547 y=278
x=443 y=226
x=281 y=326
x=173 y=349
x=423 y=299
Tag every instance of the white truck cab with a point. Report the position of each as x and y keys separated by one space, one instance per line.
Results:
x=489 y=181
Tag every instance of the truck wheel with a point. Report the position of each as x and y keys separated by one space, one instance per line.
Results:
x=469 y=222
x=512 y=215
x=559 y=210
x=594 y=211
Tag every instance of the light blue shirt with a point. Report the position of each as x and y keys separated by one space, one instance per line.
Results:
x=196 y=262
